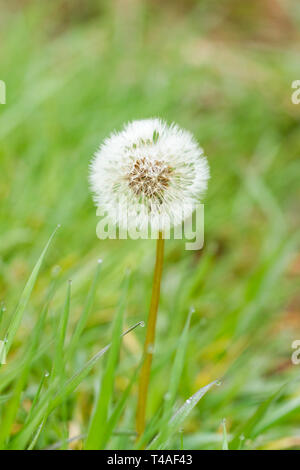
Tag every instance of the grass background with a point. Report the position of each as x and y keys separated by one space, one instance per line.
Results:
x=74 y=71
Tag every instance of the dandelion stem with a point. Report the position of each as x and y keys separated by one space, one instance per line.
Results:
x=149 y=342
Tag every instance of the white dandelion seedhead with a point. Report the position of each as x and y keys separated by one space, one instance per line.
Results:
x=149 y=175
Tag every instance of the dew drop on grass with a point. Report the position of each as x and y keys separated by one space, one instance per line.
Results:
x=218 y=383
x=55 y=270
x=142 y=324
x=100 y=261
x=47 y=374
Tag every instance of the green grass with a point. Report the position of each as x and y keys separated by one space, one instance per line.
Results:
x=73 y=75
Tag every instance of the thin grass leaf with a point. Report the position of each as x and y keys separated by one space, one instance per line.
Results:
x=11 y=409
x=116 y=414
x=5 y=398
x=77 y=378
x=58 y=364
x=152 y=429
x=176 y=373
x=2 y=352
x=58 y=444
x=225 y=438
x=36 y=397
x=99 y=418
x=245 y=431
x=36 y=436
x=2 y=310
x=13 y=405
x=85 y=314
x=17 y=317
x=180 y=416
x=13 y=371
x=280 y=413
x=178 y=365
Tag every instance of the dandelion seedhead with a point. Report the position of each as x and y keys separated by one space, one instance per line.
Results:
x=153 y=172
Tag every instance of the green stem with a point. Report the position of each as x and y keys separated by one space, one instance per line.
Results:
x=149 y=342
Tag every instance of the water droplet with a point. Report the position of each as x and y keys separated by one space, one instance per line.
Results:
x=70 y=281
x=218 y=383
x=167 y=396
x=47 y=374
x=100 y=260
x=142 y=324
x=55 y=270
x=192 y=309
x=242 y=437
x=150 y=349
x=58 y=225
x=224 y=421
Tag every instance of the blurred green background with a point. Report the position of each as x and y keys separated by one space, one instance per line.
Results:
x=74 y=71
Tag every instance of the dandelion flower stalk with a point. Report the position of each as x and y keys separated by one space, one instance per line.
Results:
x=150 y=337
x=149 y=176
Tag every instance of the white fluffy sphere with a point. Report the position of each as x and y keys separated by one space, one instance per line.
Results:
x=149 y=175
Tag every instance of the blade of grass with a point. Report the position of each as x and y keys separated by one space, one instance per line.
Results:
x=177 y=368
x=278 y=414
x=175 y=379
x=58 y=364
x=13 y=405
x=58 y=444
x=13 y=371
x=17 y=317
x=36 y=397
x=246 y=429
x=36 y=436
x=85 y=314
x=151 y=431
x=180 y=416
x=2 y=353
x=115 y=416
x=2 y=310
x=225 y=439
x=99 y=419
